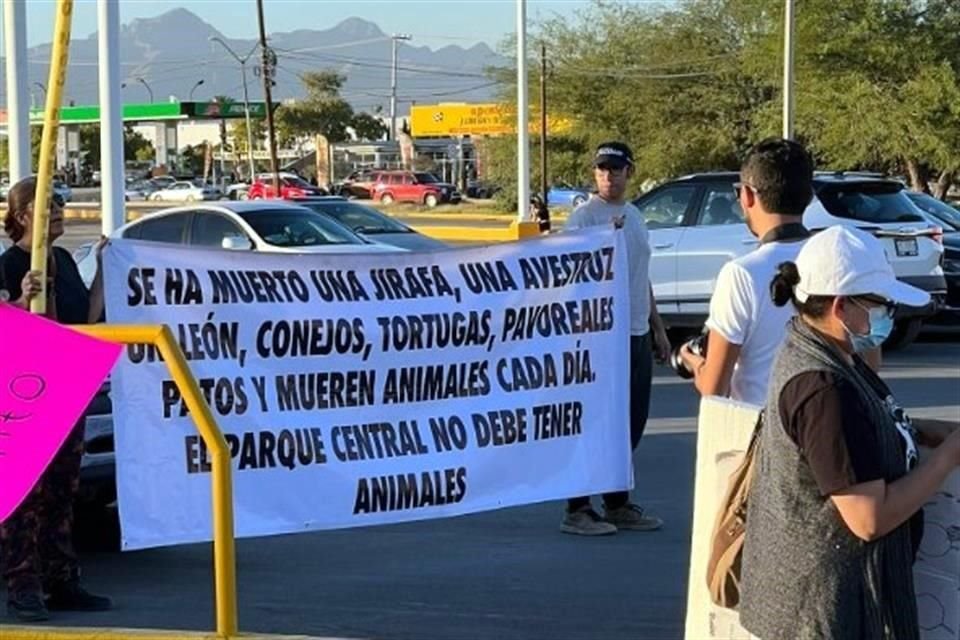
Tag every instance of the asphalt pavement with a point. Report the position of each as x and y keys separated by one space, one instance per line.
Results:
x=505 y=574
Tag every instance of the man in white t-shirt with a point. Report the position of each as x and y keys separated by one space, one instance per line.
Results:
x=745 y=327
x=613 y=168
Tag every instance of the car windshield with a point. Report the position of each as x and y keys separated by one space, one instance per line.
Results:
x=876 y=202
x=943 y=212
x=359 y=218
x=426 y=178
x=300 y=183
x=297 y=228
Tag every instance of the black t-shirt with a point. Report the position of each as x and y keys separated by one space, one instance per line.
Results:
x=824 y=415
x=73 y=299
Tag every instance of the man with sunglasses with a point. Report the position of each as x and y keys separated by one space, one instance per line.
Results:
x=613 y=168
x=745 y=327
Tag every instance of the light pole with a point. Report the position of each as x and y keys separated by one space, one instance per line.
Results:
x=194 y=87
x=246 y=95
x=396 y=38
x=788 y=33
x=42 y=88
x=18 y=111
x=523 y=133
x=144 y=83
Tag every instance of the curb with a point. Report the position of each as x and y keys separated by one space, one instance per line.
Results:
x=136 y=210
x=103 y=633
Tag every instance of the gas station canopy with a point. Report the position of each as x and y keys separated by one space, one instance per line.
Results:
x=154 y=112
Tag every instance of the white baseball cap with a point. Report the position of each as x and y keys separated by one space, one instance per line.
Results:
x=845 y=261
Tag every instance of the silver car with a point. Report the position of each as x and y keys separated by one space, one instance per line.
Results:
x=372 y=224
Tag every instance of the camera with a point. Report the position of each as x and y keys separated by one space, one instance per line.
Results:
x=697 y=345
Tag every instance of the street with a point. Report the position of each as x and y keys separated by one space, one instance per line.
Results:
x=503 y=574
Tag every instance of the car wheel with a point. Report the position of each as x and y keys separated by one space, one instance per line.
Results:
x=579 y=200
x=155 y=197
x=430 y=200
x=904 y=332
x=191 y=198
x=386 y=199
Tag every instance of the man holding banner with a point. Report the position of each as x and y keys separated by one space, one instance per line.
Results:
x=613 y=168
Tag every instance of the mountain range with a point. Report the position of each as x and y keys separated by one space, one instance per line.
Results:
x=173 y=51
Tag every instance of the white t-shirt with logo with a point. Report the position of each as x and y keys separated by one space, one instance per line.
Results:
x=742 y=311
x=596 y=212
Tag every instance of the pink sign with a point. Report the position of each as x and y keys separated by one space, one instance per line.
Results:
x=48 y=376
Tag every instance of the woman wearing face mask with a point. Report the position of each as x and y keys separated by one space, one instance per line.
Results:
x=834 y=516
x=36 y=548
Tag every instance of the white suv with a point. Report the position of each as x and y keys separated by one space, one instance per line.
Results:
x=696 y=226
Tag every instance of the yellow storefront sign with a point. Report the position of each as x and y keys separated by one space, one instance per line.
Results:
x=459 y=119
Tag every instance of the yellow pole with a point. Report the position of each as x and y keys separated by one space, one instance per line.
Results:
x=224 y=552
x=48 y=148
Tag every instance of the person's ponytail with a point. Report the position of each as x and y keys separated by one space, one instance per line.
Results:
x=783 y=283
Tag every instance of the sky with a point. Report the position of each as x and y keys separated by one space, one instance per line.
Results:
x=434 y=23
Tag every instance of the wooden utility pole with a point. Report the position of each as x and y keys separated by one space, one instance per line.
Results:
x=269 y=67
x=544 y=182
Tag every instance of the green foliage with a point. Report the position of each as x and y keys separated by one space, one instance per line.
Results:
x=691 y=86
x=323 y=112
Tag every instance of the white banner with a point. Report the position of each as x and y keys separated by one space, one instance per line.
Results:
x=368 y=389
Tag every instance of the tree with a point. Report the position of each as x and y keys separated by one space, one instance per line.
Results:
x=368 y=127
x=691 y=87
x=238 y=131
x=324 y=112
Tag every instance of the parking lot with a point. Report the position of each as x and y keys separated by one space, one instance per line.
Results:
x=503 y=574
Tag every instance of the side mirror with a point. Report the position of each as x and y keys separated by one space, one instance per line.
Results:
x=236 y=243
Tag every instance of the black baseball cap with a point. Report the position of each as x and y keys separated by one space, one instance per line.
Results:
x=613 y=154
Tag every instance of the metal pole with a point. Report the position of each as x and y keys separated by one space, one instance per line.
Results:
x=147 y=86
x=246 y=97
x=396 y=38
x=194 y=87
x=268 y=63
x=18 y=108
x=393 y=92
x=544 y=183
x=523 y=108
x=246 y=115
x=788 y=99
x=111 y=118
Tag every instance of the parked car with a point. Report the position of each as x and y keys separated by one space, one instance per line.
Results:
x=163 y=182
x=60 y=188
x=949 y=218
x=292 y=187
x=372 y=224
x=566 y=196
x=358 y=184
x=238 y=191
x=271 y=227
x=696 y=226
x=183 y=191
x=138 y=190
x=409 y=186
x=481 y=190
x=63 y=190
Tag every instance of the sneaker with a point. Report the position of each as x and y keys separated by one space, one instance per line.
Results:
x=632 y=517
x=70 y=596
x=27 y=606
x=586 y=522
